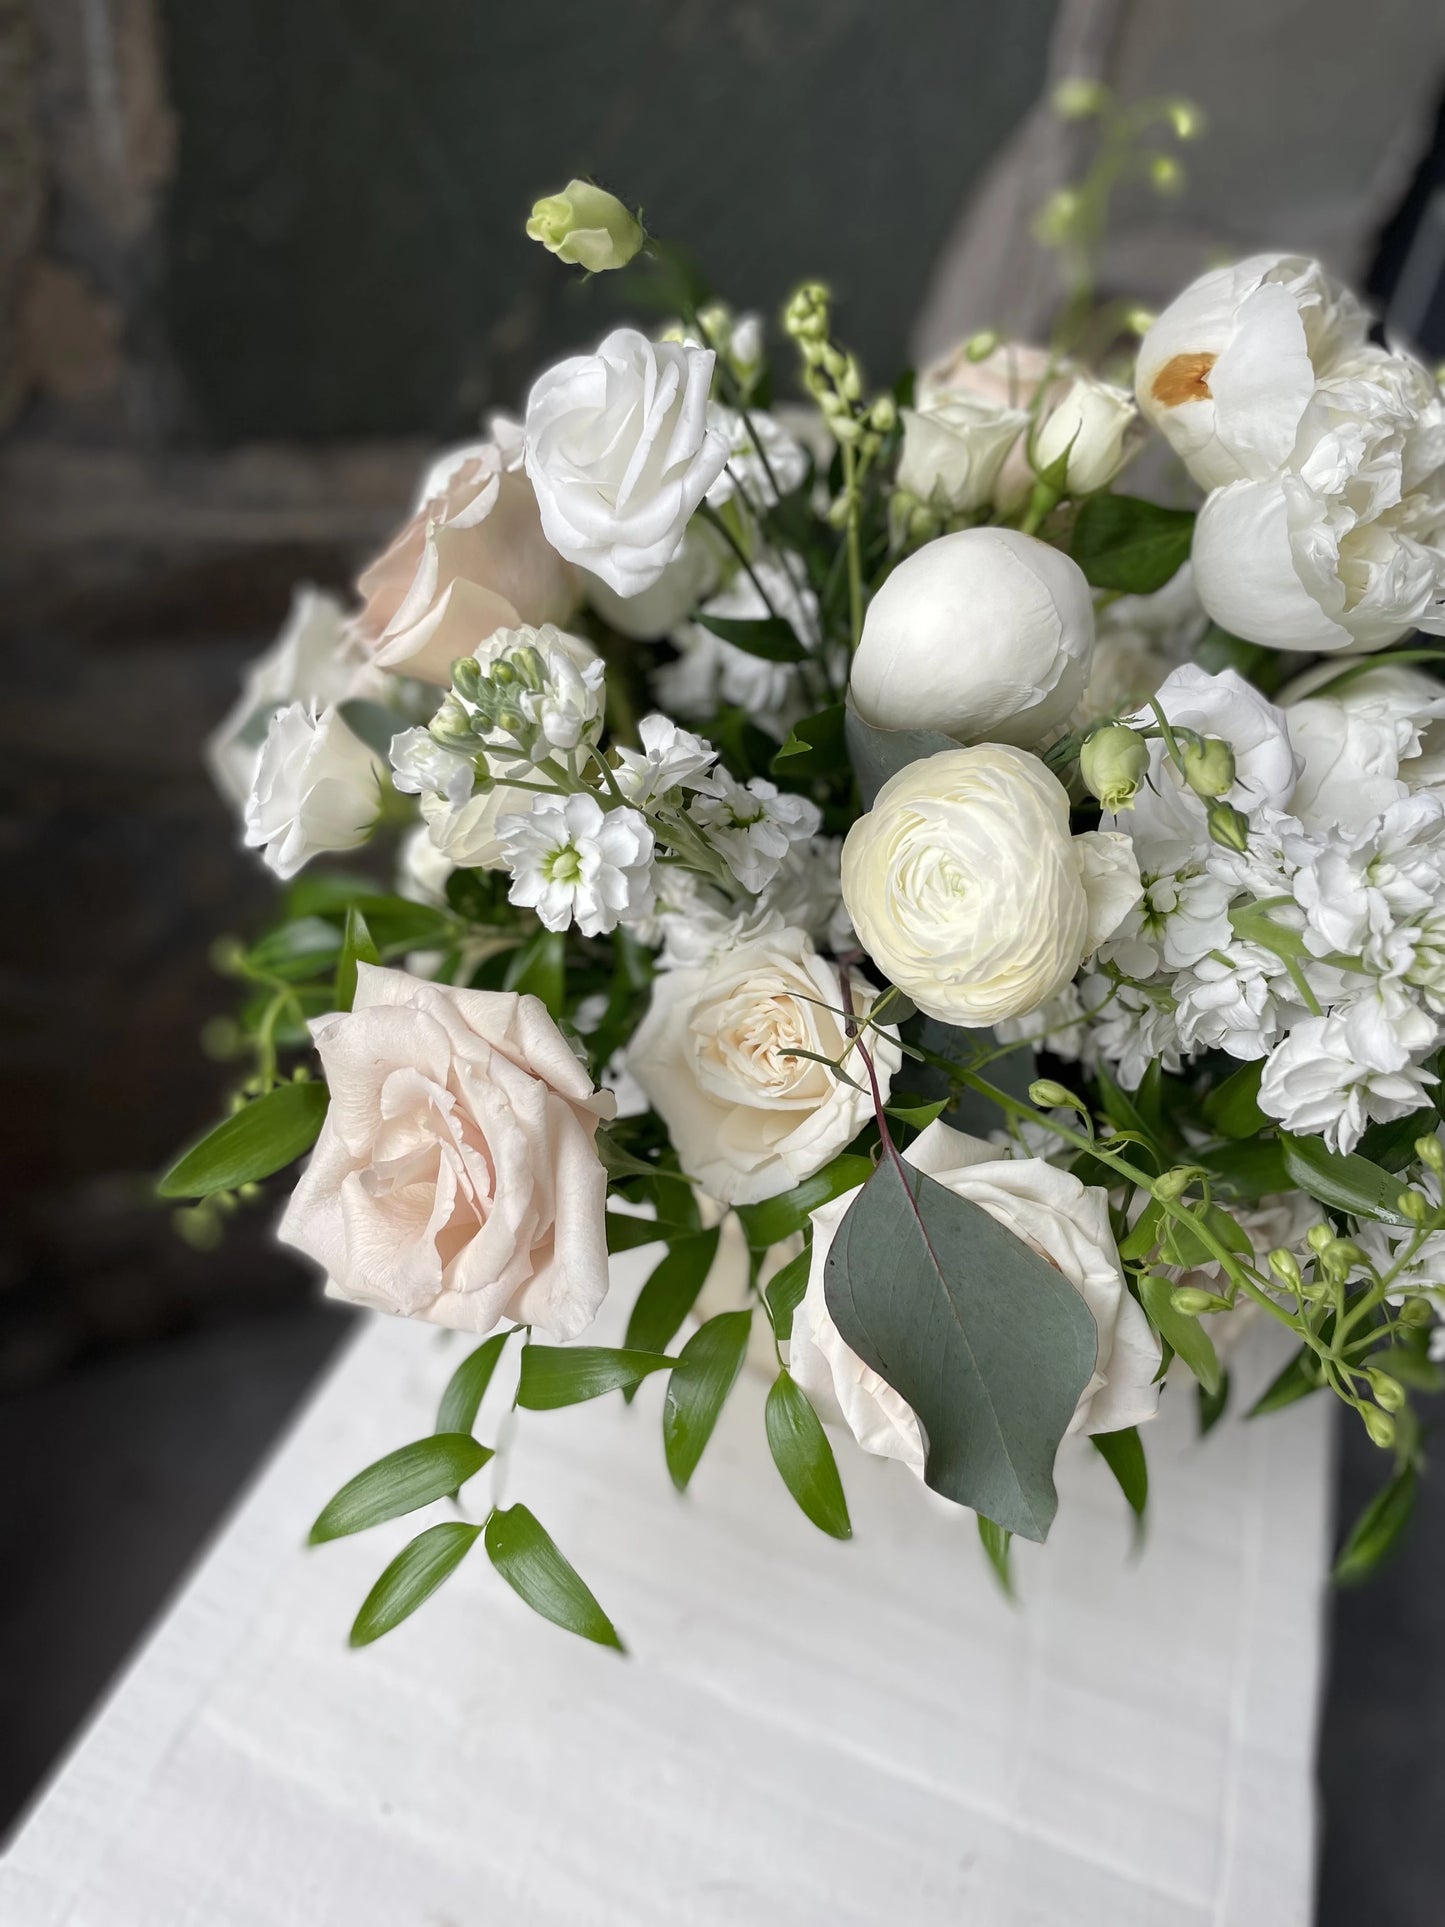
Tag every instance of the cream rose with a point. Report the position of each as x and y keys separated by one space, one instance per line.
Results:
x=1008 y=377
x=456 y=1178
x=968 y=891
x=472 y=559
x=1061 y=1219
x=1094 y=430
x=747 y=1118
x=620 y=452
x=954 y=450
x=985 y=634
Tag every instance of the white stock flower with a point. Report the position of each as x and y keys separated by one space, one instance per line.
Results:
x=421 y=767
x=752 y=827
x=1132 y=1026
x=698 y=924
x=1355 y=890
x=456 y=1178
x=983 y=634
x=1326 y=1079
x=954 y=449
x=764 y=462
x=1093 y=429
x=711 y=673
x=1057 y=1026
x=716 y=1055
x=807 y=891
x=317 y=787
x=1064 y=1221
x=471 y=559
x=1237 y=999
x=670 y=759
x=969 y=892
x=620 y=453
x=574 y=862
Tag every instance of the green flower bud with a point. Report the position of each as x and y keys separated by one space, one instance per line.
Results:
x=1080 y=99
x=1228 y=826
x=850 y=382
x=1285 y=1267
x=1380 y=1426
x=1187 y=120
x=883 y=414
x=980 y=346
x=1173 y=1184
x=1113 y=763
x=587 y=227
x=467 y=677
x=1389 y=1392
x=845 y=429
x=1318 y=1237
x=1192 y=1301
x=1412 y=1205
x=1049 y=1096
x=1208 y=766
x=835 y=361
x=1165 y=174
x=1431 y=1154
x=839 y=510
x=923 y=525
x=1417 y=1312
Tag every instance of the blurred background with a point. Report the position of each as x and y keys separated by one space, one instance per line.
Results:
x=255 y=258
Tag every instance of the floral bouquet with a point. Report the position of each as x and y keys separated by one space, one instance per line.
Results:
x=986 y=927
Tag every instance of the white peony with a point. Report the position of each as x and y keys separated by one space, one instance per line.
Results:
x=620 y=452
x=747 y=1118
x=954 y=449
x=968 y=891
x=456 y=1178
x=317 y=787
x=1093 y=430
x=1061 y=1219
x=985 y=634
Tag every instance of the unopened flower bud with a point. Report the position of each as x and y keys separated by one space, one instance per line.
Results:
x=839 y=509
x=1049 y=1096
x=845 y=429
x=1113 y=763
x=835 y=361
x=1412 y=1205
x=587 y=227
x=1380 y=1426
x=1192 y=1301
x=1318 y=1236
x=1431 y=1154
x=1417 y=1312
x=1172 y=1184
x=1165 y=174
x=1228 y=826
x=1186 y=119
x=850 y=383
x=1208 y=766
x=467 y=676
x=923 y=525
x=1285 y=1267
x=1389 y=1392
x=1080 y=99
x=980 y=346
x=884 y=414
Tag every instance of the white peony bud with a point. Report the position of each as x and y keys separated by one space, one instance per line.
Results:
x=968 y=891
x=954 y=450
x=1094 y=430
x=985 y=634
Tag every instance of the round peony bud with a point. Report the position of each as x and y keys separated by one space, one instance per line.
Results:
x=967 y=889
x=587 y=227
x=1113 y=763
x=985 y=634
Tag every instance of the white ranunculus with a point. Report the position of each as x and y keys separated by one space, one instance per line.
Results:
x=1094 y=429
x=620 y=452
x=317 y=787
x=954 y=450
x=471 y=559
x=747 y=1119
x=1008 y=377
x=456 y=1178
x=968 y=891
x=1228 y=370
x=315 y=659
x=985 y=634
x=1061 y=1219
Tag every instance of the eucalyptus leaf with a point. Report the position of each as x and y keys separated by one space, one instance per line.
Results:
x=698 y=1389
x=671 y=1291
x=412 y=1577
x=356 y=947
x=803 y=1456
x=525 y=1554
x=988 y=1343
x=1186 y=1335
x=1344 y=1182
x=263 y=1137
x=1377 y=1530
x=1123 y=542
x=769 y=1223
x=557 y=1375
x=769 y=636
x=878 y=754
x=405 y=1480
x=467 y=1386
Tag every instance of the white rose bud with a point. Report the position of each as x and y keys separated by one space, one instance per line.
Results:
x=620 y=452
x=968 y=891
x=587 y=227
x=1093 y=430
x=954 y=450
x=985 y=634
x=317 y=787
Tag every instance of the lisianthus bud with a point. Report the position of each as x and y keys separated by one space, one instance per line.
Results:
x=1380 y=1426
x=1285 y=1267
x=586 y=226
x=1093 y=431
x=1431 y=1153
x=1208 y=766
x=1389 y=1392
x=1228 y=826
x=1193 y=1301
x=1049 y=1096
x=1113 y=763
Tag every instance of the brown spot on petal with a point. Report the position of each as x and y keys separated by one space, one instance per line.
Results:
x=1183 y=379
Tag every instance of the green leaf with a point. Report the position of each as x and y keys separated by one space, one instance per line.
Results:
x=468 y=1384
x=996 y=1542
x=816 y=748
x=626 y=1232
x=803 y=1456
x=303 y=948
x=671 y=1292
x=769 y=637
x=1249 y=1169
x=557 y=1375
x=1343 y=1182
x=1212 y=1405
x=524 y=1553
x=1123 y=1453
x=398 y=924
x=1377 y=1530
x=698 y=1389
x=410 y=1477
x=538 y=968
x=784 y=1293
x=265 y=1136
x=878 y=754
x=1233 y=1107
x=356 y=947
x=1122 y=542
x=1297 y=1380
x=919 y=1116
x=412 y=1577
x=1186 y=1335
x=776 y=1219
x=1180 y=1244
x=1392 y=1145
x=985 y=1339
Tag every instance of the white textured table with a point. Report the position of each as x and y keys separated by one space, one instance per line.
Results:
x=805 y=1732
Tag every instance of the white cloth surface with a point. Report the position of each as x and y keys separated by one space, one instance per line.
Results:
x=804 y=1732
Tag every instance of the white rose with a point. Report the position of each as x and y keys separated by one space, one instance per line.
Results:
x=620 y=452
x=469 y=834
x=314 y=660
x=954 y=450
x=471 y=559
x=969 y=893
x=422 y=870
x=984 y=634
x=317 y=787
x=1061 y=1219
x=1009 y=377
x=747 y=1119
x=687 y=580
x=456 y=1178
x=1228 y=370
x=1094 y=430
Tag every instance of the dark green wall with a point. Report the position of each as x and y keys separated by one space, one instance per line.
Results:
x=344 y=246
